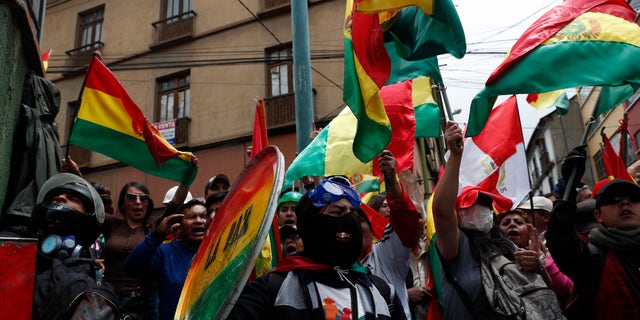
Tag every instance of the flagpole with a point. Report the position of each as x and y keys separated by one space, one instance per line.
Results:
x=97 y=55
x=442 y=94
x=583 y=140
x=623 y=139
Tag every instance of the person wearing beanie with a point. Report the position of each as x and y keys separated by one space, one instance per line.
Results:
x=324 y=281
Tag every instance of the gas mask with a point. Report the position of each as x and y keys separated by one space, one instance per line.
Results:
x=476 y=217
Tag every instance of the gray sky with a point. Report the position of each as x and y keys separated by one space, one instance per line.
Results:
x=491 y=28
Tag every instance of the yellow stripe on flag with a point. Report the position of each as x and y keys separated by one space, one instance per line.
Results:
x=339 y=154
x=382 y=5
x=421 y=91
x=374 y=107
x=604 y=27
x=107 y=111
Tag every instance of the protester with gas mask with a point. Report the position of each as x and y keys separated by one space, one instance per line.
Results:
x=325 y=281
x=67 y=220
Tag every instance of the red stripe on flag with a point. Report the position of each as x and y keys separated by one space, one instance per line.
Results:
x=398 y=104
x=368 y=47
x=260 y=138
x=502 y=126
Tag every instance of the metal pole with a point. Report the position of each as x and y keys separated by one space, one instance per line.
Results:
x=302 y=72
x=583 y=140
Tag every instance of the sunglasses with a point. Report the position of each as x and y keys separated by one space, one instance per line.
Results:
x=328 y=192
x=143 y=197
x=618 y=199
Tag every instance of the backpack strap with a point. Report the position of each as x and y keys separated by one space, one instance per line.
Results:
x=466 y=300
x=385 y=290
x=274 y=282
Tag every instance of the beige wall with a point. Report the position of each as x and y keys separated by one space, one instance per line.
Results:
x=222 y=96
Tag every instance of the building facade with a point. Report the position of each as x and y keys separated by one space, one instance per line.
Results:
x=197 y=67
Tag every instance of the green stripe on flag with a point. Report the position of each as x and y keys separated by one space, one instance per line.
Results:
x=129 y=150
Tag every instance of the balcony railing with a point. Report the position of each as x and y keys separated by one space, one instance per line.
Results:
x=175 y=27
x=280 y=110
x=182 y=132
x=79 y=57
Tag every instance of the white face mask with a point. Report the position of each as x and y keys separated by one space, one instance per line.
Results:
x=479 y=218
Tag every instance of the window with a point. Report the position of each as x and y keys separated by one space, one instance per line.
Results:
x=600 y=169
x=543 y=153
x=174 y=9
x=584 y=93
x=280 y=68
x=173 y=97
x=90 y=29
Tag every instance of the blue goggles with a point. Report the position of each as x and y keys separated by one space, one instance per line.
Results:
x=328 y=192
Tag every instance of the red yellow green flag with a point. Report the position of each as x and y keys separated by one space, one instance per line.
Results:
x=422 y=28
x=366 y=69
x=110 y=122
x=577 y=43
x=556 y=98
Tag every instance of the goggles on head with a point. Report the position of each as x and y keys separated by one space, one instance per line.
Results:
x=328 y=192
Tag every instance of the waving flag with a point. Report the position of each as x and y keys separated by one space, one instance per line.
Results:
x=557 y=99
x=420 y=33
x=613 y=162
x=331 y=153
x=420 y=73
x=110 y=122
x=260 y=138
x=495 y=159
x=366 y=69
x=434 y=277
x=577 y=43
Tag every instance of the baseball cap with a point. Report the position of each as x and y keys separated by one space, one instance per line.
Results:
x=472 y=194
x=617 y=188
x=288 y=231
x=539 y=203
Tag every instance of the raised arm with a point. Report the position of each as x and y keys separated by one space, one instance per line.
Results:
x=444 y=198
x=405 y=218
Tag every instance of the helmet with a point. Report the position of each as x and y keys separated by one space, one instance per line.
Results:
x=291 y=196
x=64 y=219
x=171 y=192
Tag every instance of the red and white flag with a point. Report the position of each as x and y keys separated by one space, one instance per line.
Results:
x=495 y=159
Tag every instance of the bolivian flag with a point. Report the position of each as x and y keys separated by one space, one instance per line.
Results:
x=577 y=43
x=110 y=122
x=366 y=69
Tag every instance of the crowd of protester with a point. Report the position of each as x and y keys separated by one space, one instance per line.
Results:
x=583 y=251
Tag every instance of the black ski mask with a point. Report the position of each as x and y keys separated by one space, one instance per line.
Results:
x=336 y=241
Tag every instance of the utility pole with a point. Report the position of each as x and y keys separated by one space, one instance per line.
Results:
x=302 y=72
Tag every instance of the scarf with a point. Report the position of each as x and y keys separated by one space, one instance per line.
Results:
x=302 y=262
x=616 y=239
